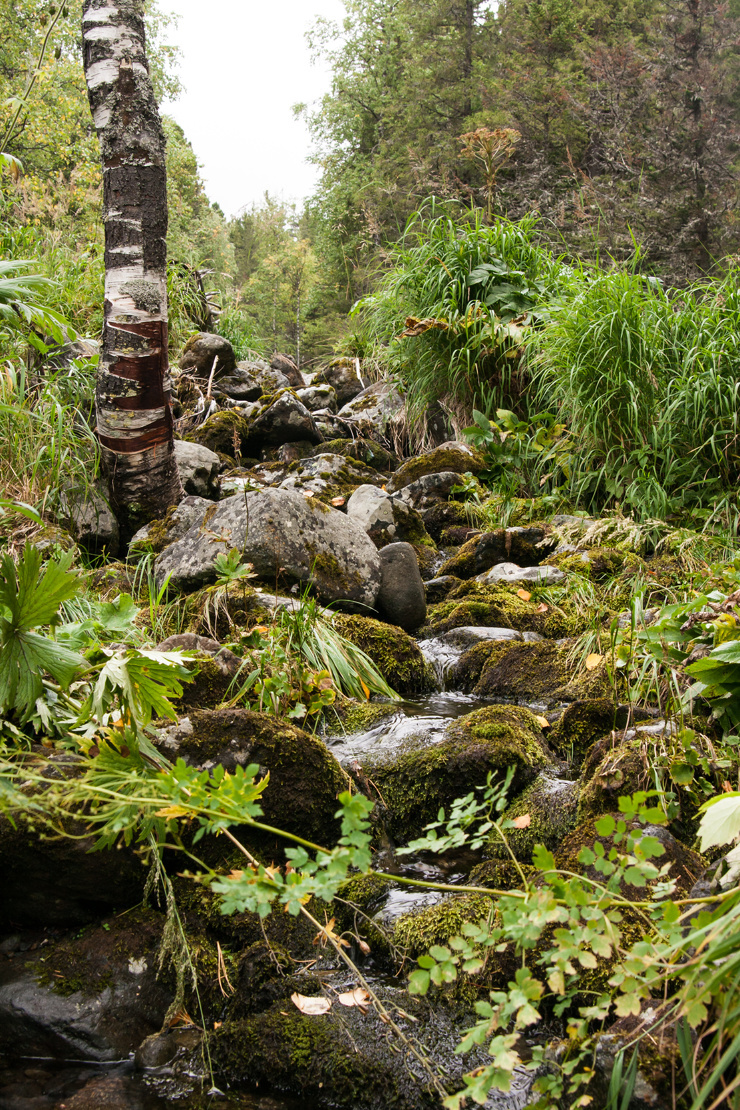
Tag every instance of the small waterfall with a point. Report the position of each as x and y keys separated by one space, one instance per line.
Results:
x=442 y=656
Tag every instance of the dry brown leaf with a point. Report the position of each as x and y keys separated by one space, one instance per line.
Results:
x=364 y=947
x=542 y=608
x=337 y=501
x=593 y=660
x=218 y=1024
x=312 y=1006
x=542 y=722
x=358 y=997
x=180 y=1017
x=525 y=595
x=522 y=822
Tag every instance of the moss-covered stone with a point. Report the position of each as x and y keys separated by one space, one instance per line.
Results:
x=416 y=932
x=610 y=770
x=224 y=432
x=499 y=606
x=551 y=805
x=349 y=715
x=208 y=688
x=396 y=655
x=442 y=518
x=500 y=874
x=416 y=783
x=580 y=725
x=356 y=902
x=363 y=450
x=527 y=547
x=539 y=673
x=454 y=458
x=305 y=778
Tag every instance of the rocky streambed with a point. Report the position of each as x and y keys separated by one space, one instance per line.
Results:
x=478 y=629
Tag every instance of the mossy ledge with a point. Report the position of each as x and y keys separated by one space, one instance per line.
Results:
x=396 y=655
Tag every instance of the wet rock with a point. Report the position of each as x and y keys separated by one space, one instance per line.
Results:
x=501 y=606
x=482 y=552
x=659 y=1058
x=418 y=781
x=284 y=365
x=449 y=457
x=610 y=770
x=525 y=673
x=165 y=1047
x=469 y=635
x=511 y=573
x=198 y=467
x=437 y=589
x=396 y=655
x=316 y=397
x=94 y=996
x=158 y=534
x=281 y=533
x=551 y=804
x=284 y=420
x=88 y=516
x=200 y=352
x=305 y=778
x=376 y=411
x=386 y=519
x=343 y=376
x=401 y=598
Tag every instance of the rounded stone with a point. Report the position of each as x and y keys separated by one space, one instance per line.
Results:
x=401 y=599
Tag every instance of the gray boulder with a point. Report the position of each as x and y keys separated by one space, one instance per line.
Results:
x=343 y=375
x=376 y=411
x=158 y=534
x=451 y=456
x=201 y=351
x=239 y=386
x=386 y=519
x=332 y=427
x=282 y=533
x=401 y=599
x=285 y=420
x=284 y=365
x=318 y=397
x=269 y=380
x=198 y=467
x=428 y=490
x=511 y=573
x=468 y=635
x=90 y=519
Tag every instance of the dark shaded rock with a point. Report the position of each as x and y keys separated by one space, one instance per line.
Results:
x=449 y=457
x=305 y=778
x=581 y=724
x=224 y=433
x=516 y=545
x=158 y=534
x=238 y=386
x=94 y=996
x=437 y=589
x=200 y=352
x=332 y=426
x=284 y=420
x=365 y=451
x=659 y=1058
x=88 y=516
x=539 y=673
x=214 y=666
x=343 y=376
x=401 y=599
x=396 y=655
x=551 y=805
x=199 y=468
x=284 y=365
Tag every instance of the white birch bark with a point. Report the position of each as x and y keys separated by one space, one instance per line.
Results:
x=133 y=406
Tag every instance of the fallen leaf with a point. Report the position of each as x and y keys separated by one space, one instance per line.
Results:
x=522 y=822
x=312 y=1006
x=337 y=501
x=181 y=1017
x=364 y=947
x=542 y=608
x=307 y=493
x=358 y=997
x=525 y=595
x=217 y=1024
x=171 y=811
x=542 y=722
x=593 y=660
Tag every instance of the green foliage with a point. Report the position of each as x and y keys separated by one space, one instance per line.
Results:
x=19 y=304
x=521 y=456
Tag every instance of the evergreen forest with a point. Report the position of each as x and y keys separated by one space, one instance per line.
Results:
x=370 y=571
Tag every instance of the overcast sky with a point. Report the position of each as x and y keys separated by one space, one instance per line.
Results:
x=244 y=64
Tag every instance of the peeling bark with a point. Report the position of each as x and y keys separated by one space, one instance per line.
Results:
x=133 y=395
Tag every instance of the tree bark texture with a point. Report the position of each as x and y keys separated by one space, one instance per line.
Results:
x=133 y=405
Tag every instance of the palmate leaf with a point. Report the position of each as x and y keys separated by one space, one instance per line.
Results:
x=141 y=683
x=720 y=822
x=24 y=658
x=32 y=598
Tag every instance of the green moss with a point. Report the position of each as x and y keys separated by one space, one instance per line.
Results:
x=305 y=778
x=349 y=715
x=224 y=432
x=523 y=672
x=500 y=874
x=396 y=655
x=499 y=606
x=608 y=772
x=435 y=462
x=551 y=807
x=416 y=932
x=443 y=517
x=326 y=567
x=416 y=783
x=517 y=545
x=363 y=450
x=357 y=900
x=207 y=690
x=580 y=725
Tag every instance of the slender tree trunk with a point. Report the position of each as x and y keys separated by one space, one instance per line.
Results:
x=134 y=413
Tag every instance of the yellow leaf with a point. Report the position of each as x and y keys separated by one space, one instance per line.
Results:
x=542 y=722
x=522 y=822
x=525 y=595
x=542 y=608
x=312 y=1006
x=366 y=690
x=593 y=660
x=358 y=997
x=171 y=811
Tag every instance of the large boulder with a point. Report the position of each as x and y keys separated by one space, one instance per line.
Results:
x=305 y=778
x=452 y=457
x=178 y=520
x=526 y=547
x=223 y=433
x=401 y=599
x=386 y=519
x=284 y=420
x=376 y=411
x=283 y=534
x=366 y=451
x=328 y=477
x=316 y=397
x=198 y=467
x=396 y=655
x=238 y=386
x=202 y=350
x=343 y=376
x=269 y=380
x=283 y=364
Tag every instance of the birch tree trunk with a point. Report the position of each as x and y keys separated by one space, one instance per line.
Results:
x=133 y=406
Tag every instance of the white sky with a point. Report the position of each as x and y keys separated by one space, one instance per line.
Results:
x=244 y=64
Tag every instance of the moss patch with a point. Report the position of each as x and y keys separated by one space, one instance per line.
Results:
x=499 y=606
x=416 y=783
x=551 y=806
x=516 y=545
x=396 y=655
x=609 y=771
x=437 y=461
x=416 y=932
x=580 y=725
x=523 y=672
x=224 y=432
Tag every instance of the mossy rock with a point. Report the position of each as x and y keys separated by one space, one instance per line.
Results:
x=538 y=673
x=208 y=688
x=224 y=432
x=609 y=771
x=357 y=900
x=108 y=581
x=363 y=450
x=499 y=606
x=427 y=556
x=416 y=932
x=527 y=547
x=305 y=778
x=415 y=783
x=580 y=725
x=396 y=655
x=455 y=458
x=500 y=874
x=551 y=806
x=349 y=715
x=598 y=564
x=443 y=516
x=52 y=540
